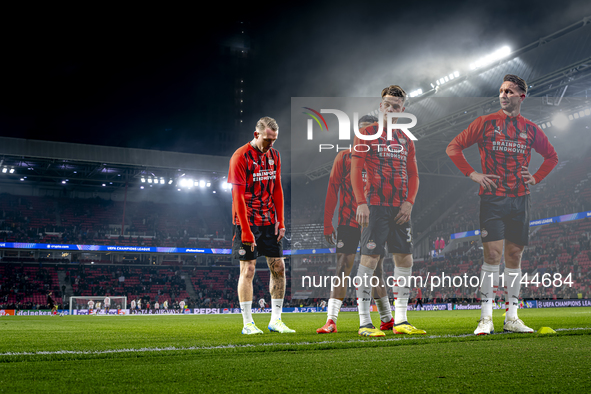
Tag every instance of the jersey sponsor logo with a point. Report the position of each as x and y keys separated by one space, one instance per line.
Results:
x=371 y=245
x=484 y=233
x=340 y=244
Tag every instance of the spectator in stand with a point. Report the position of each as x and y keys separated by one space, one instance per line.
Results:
x=441 y=245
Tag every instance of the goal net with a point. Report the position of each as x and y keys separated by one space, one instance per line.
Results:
x=98 y=303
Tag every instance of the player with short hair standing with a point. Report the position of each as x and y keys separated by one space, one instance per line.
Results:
x=51 y=303
x=505 y=139
x=90 y=306
x=107 y=302
x=132 y=305
x=262 y=304
x=259 y=225
x=384 y=207
x=165 y=305
x=347 y=238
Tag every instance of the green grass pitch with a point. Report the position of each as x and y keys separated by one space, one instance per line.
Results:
x=197 y=353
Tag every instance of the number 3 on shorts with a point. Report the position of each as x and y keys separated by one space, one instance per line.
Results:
x=409 y=239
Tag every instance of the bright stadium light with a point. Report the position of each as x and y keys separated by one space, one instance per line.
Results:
x=170 y=181
x=162 y=181
x=560 y=120
x=143 y=179
x=11 y=171
x=208 y=184
x=4 y=170
x=201 y=183
x=416 y=93
x=491 y=58
x=149 y=180
x=189 y=183
x=456 y=74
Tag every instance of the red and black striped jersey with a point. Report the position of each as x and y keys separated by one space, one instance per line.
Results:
x=505 y=145
x=259 y=173
x=340 y=181
x=391 y=167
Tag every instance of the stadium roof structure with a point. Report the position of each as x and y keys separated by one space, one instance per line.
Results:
x=557 y=68
x=94 y=165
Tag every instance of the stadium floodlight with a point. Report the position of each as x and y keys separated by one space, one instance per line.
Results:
x=11 y=171
x=190 y=183
x=202 y=183
x=588 y=112
x=143 y=180
x=162 y=181
x=208 y=184
x=64 y=182
x=104 y=185
x=170 y=181
x=581 y=113
x=570 y=117
x=416 y=93
x=22 y=179
x=141 y=187
x=560 y=120
x=576 y=115
x=149 y=180
x=456 y=74
x=451 y=76
x=491 y=58
x=4 y=170
x=433 y=86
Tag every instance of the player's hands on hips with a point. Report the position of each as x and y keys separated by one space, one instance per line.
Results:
x=404 y=213
x=529 y=178
x=362 y=216
x=330 y=238
x=280 y=231
x=487 y=181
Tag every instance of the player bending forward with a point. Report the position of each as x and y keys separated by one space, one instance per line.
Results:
x=384 y=207
x=259 y=227
x=505 y=139
x=347 y=238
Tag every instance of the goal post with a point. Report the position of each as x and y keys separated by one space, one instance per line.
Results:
x=81 y=302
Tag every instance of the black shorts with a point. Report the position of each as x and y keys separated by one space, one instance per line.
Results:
x=265 y=239
x=348 y=239
x=504 y=218
x=383 y=229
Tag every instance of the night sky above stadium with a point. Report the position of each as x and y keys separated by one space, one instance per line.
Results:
x=146 y=78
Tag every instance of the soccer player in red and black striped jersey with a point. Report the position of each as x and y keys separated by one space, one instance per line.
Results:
x=259 y=226
x=384 y=207
x=347 y=238
x=505 y=140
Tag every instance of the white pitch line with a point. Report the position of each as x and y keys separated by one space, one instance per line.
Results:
x=174 y=348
